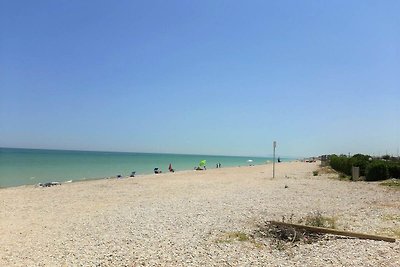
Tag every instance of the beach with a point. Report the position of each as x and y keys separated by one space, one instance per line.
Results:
x=193 y=218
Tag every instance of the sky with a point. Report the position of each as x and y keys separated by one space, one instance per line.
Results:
x=201 y=77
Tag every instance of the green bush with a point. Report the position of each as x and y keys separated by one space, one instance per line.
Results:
x=394 y=170
x=341 y=164
x=377 y=171
x=373 y=170
x=361 y=161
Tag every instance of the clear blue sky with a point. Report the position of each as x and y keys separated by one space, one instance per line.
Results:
x=202 y=77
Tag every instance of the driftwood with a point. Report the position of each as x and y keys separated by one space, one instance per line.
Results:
x=333 y=232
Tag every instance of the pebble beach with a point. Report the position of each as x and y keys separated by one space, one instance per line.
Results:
x=197 y=218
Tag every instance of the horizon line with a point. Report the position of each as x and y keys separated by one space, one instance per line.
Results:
x=166 y=153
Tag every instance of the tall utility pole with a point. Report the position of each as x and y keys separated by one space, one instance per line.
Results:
x=273 y=163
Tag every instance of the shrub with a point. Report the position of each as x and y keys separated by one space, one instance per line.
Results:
x=394 y=170
x=316 y=219
x=373 y=170
x=361 y=161
x=377 y=171
x=341 y=164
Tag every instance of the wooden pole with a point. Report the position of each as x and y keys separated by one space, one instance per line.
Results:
x=333 y=231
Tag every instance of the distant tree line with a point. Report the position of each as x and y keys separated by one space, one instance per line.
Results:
x=372 y=168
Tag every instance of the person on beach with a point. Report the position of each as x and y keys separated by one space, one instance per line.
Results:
x=170 y=168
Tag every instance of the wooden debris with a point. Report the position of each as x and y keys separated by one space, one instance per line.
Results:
x=314 y=229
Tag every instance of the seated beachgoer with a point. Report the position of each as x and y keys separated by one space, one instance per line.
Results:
x=132 y=174
x=170 y=168
x=48 y=184
x=156 y=171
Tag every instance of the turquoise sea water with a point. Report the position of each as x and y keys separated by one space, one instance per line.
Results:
x=32 y=166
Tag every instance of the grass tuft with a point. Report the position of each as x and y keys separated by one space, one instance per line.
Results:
x=239 y=236
x=392 y=183
x=316 y=219
x=233 y=236
x=230 y=237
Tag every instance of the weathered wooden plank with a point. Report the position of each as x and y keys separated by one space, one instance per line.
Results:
x=314 y=229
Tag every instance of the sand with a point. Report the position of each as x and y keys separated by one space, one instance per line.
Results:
x=195 y=218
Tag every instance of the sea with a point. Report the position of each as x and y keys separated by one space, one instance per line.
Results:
x=33 y=166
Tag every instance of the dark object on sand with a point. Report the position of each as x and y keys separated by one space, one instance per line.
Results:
x=132 y=174
x=170 y=168
x=49 y=184
x=156 y=171
x=119 y=176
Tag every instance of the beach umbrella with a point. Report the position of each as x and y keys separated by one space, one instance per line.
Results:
x=202 y=163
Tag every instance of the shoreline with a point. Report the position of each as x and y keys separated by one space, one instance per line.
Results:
x=30 y=167
x=126 y=177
